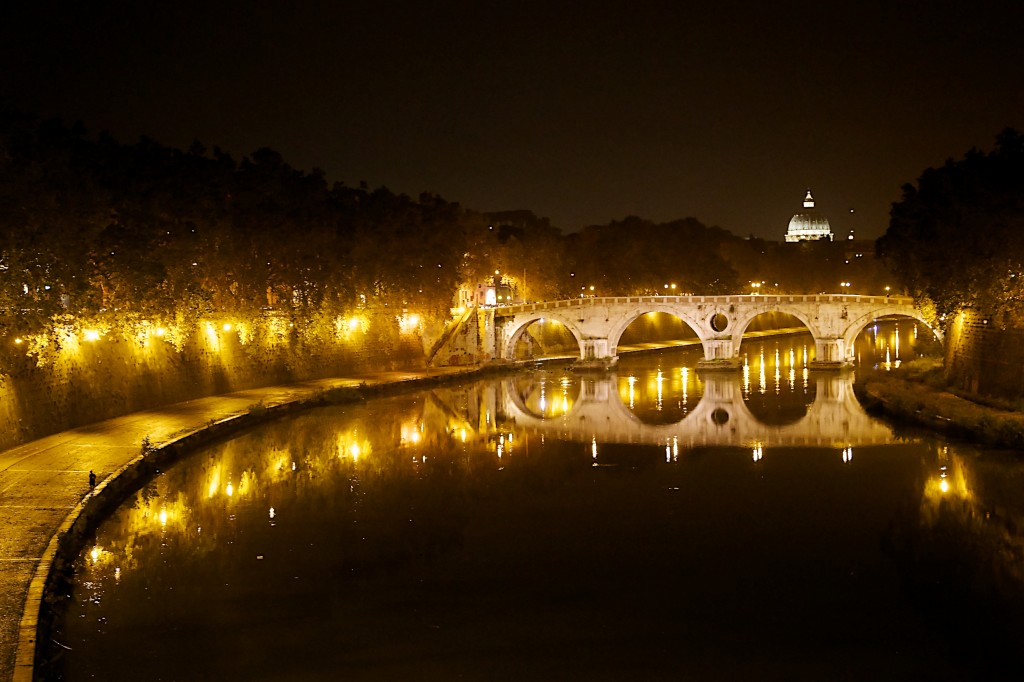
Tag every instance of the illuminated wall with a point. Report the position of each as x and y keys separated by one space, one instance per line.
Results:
x=80 y=374
x=984 y=359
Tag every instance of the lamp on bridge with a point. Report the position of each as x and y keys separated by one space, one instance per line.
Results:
x=845 y=286
x=755 y=287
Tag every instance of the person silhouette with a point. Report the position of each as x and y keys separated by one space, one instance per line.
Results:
x=92 y=480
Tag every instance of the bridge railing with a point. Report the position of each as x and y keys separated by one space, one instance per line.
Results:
x=768 y=299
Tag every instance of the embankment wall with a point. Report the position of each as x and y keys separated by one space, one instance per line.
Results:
x=116 y=375
x=984 y=358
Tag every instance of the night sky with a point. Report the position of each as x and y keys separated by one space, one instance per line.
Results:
x=582 y=112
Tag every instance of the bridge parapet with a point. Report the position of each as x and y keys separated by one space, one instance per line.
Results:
x=732 y=299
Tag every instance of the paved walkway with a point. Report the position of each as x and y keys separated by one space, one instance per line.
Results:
x=41 y=482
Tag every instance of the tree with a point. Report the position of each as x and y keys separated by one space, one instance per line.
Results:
x=957 y=238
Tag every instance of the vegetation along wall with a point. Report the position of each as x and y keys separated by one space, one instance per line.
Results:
x=78 y=374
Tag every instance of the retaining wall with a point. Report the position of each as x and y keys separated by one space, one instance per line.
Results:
x=985 y=359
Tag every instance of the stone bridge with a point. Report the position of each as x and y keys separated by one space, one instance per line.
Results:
x=834 y=320
x=721 y=417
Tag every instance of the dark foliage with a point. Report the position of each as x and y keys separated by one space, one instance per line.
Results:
x=957 y=238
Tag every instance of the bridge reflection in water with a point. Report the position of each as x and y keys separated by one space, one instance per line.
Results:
x=676 y=411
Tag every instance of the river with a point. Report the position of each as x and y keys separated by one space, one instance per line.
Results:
x=655 y=523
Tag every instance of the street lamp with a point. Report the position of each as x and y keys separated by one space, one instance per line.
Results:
x=845 y=286
x=755 y=286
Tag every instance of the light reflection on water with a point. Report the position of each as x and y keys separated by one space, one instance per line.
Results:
x=556 y=525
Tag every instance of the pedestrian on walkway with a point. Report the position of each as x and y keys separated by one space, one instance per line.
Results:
x=92 y=480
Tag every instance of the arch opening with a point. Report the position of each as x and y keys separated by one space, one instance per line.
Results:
x=890 y=340
x=543 y=338
x=775 y=331
x=719 y=322
x=656 y=330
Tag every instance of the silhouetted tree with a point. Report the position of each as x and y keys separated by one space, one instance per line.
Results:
x=957 y=238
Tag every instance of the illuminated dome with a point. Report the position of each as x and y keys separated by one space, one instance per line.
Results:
x=808 y=225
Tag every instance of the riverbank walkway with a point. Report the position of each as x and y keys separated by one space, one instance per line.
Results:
x=43 y=481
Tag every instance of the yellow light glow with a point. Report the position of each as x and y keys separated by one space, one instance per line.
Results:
x=214 y=484
x=408 y=322
x=354 y=450
x=95 y=554
x=91 y=335
x=211 y=336
x=230 y=490
x=944 y=486
x=18 y=340
x=163 y=517
x=160 y=331
x=226 y=327
x=353 y=324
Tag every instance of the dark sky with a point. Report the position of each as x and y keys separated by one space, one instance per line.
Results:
x=583 y=112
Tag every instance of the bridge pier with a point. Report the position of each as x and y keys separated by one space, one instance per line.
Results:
x=830 y=353
x=596 y=353
x=720 y=353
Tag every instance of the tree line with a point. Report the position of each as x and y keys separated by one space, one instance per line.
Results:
x=93 y=227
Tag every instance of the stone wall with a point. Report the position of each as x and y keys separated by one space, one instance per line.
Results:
x=985 y=359
x=115 y=375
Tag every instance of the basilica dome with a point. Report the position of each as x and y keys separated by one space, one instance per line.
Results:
x=809 y=224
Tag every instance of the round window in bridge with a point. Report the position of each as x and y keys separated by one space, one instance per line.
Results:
x=718 y=322
x=720 y=417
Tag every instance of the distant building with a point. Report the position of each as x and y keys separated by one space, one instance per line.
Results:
x=809 y=224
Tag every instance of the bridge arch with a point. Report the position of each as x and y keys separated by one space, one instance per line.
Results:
x=860 y=322
x=515 y=331
x=619 y=325
x=743 y=320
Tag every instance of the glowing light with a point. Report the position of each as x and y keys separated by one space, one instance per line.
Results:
x=408 y=322
x=160 y=331
x=354 y=450
x=95 y=554
x=272 y=513
x=18 y=340
x=226 y=327
x=163 y=517
x=230 y=490
x=758 y=452
x=593 y=447
x=91 y=335
x=944 y=486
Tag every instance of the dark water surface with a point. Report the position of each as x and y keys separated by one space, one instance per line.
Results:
x=653 y=524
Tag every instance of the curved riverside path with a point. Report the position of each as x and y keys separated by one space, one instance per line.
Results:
x=43 y=484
